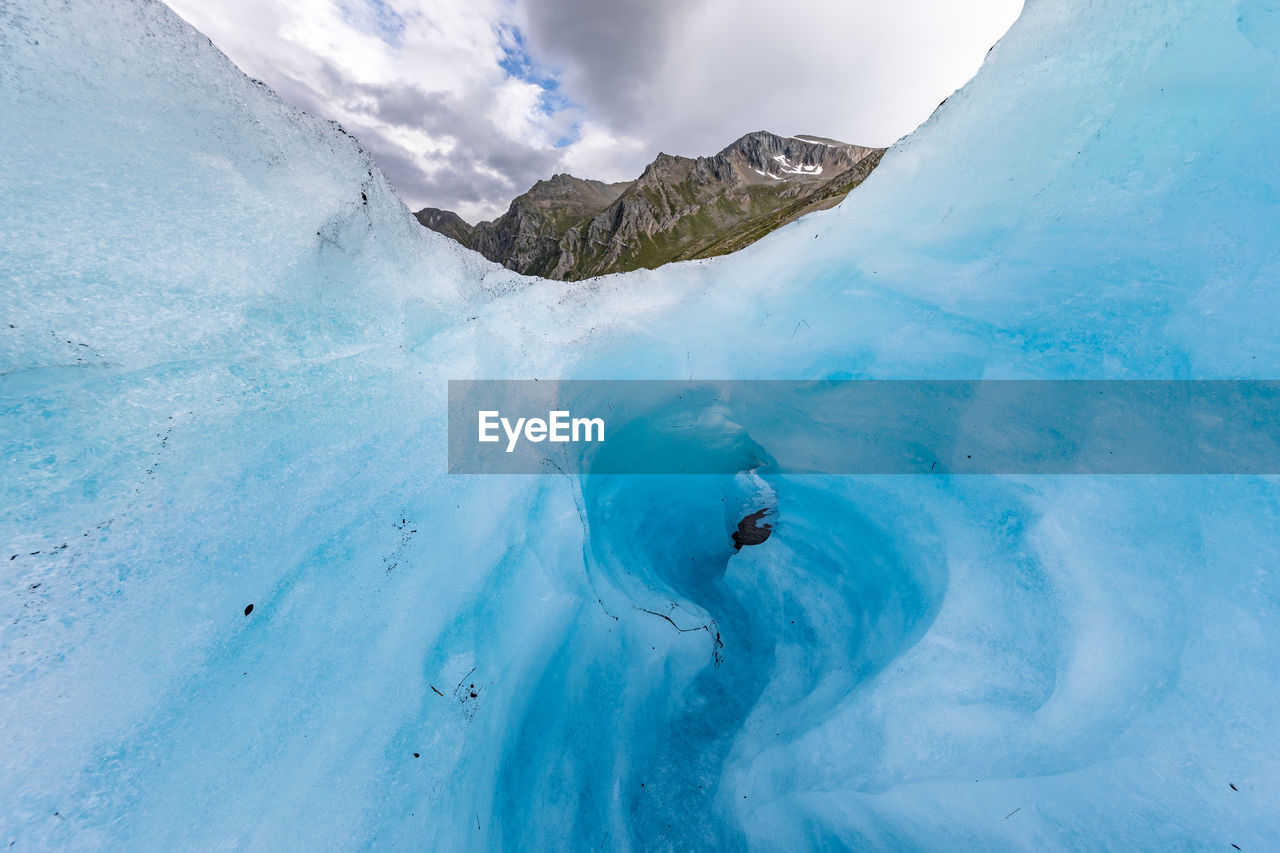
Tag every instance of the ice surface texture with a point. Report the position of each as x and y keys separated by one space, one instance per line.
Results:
x=224 y=346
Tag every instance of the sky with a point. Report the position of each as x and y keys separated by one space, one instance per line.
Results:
x=465 y=104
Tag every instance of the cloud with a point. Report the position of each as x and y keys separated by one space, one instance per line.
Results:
x=607 y=51
x=692 y=76
x=466 y=103
x=421 y=83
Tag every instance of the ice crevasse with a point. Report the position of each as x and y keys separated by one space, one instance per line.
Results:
x=224 y=344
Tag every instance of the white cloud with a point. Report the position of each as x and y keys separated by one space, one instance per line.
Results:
x=601 y=154
x=465 y=103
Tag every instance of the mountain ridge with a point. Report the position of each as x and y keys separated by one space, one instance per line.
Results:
x=679 y=208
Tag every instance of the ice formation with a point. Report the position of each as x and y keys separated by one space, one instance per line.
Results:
x=224 y=349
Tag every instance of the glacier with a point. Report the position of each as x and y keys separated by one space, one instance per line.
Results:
x=224 y=348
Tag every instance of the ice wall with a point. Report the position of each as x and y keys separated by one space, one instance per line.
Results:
x=223 y=347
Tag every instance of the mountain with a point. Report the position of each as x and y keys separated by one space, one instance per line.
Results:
x=679 y=208
x=447 y=223
x=527 y=238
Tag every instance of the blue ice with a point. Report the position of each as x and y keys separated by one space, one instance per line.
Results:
x=223 y=360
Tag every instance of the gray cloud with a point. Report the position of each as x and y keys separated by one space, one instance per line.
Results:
x=406 y=106
x=607 y=50
x=485 y=169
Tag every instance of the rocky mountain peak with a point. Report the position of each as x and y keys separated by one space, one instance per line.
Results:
x=768 y=156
